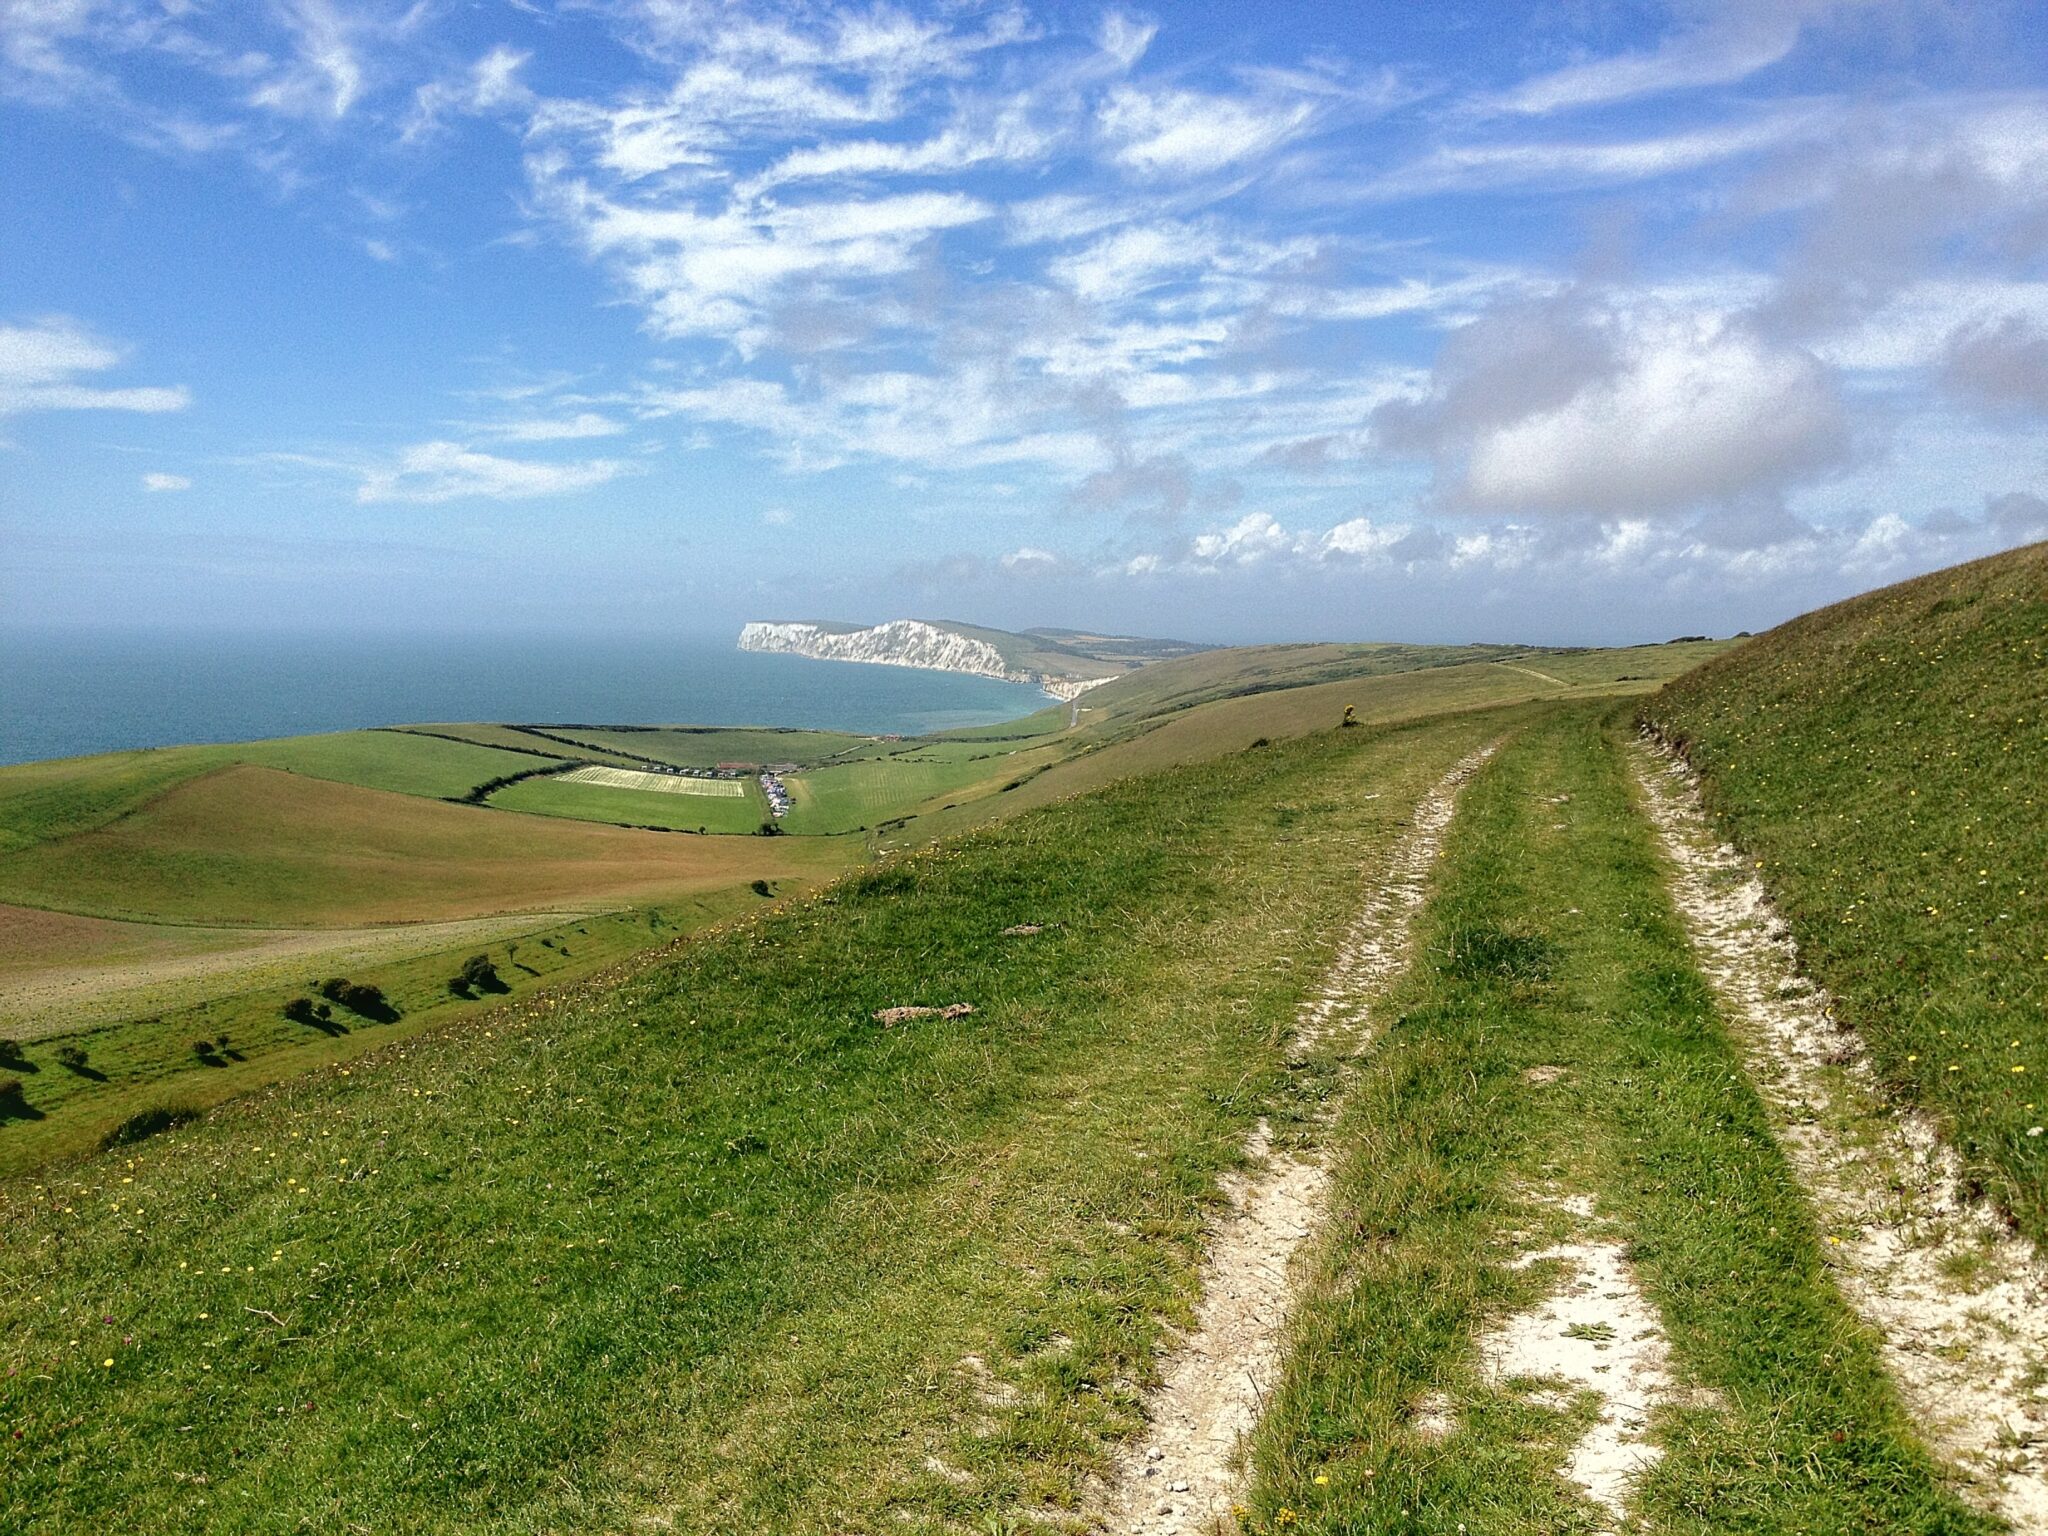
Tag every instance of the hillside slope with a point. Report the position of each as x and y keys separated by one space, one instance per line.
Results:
x=1885 y=763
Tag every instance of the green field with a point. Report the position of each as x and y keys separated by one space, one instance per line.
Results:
x=873 y=789
x=636 y=807
x=1883 y=759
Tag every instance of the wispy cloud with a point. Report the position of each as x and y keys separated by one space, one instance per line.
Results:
x=159 y=481
x=443 y=471
x=43 y=366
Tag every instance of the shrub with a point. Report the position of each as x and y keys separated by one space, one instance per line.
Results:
x=148 y=1122
x=460 y=987
x=10 y=1091
x=10 y=1054
x=203 y=1049
x=478 y=972
x=301 y=1010
x=760 y=888
x=72 y=1056
x=359 y=997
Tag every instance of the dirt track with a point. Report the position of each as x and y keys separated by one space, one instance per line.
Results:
x=1180 y=1476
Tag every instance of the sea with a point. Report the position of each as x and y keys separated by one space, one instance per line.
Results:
x=65 y=695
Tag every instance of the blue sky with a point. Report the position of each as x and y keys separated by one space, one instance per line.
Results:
x=1568 y=323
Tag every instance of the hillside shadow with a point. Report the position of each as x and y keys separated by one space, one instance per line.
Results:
x=14 y=1107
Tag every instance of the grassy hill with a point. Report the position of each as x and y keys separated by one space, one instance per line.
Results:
x=678 y=1233
x=1885 y=761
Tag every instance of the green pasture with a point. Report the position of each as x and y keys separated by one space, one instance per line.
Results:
x=636 y=807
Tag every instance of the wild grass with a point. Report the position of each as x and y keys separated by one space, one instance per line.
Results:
x=1882 y=763
x=1555 y=1039
x=712 y=1248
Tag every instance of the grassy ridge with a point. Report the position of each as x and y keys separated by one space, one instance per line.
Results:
x=714 y=1247
x=1551 y=948
x=1886 y=762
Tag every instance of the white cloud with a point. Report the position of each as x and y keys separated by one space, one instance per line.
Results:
x=1192 y=133
x=1738 y=38
x=325 y=79
x=1125 y=37
x=542 y=429
x=42 y=365
x=443 y=471
x=1615 y=404
x=162 y=482
x=1514 y=165
x=778 y=517
x=1695 y=412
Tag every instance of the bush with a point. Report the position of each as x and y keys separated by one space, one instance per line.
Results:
x=760 y=888
x=147 y=1122
x=460 y=987
x=478 y=971
x=72 y=1056
x=10 y=1091
x=300 y=1010
x=203 y=1049
x=359 y=997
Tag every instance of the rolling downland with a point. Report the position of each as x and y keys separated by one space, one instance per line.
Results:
x=712 y=1245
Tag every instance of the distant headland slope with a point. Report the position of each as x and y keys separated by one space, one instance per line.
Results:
x=1064 y=662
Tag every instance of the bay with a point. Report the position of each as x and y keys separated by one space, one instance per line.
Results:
x=68 y=694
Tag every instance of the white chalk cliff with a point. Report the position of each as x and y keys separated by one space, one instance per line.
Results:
x=906 y=643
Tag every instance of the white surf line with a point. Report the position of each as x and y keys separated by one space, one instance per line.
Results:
x=1960 y=1302
x=1181 y=1475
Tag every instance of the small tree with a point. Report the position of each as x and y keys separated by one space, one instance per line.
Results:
x=760 y=888
x=478 y=971
x=10 y=1053
x=1350 y=714
x=72 y=1057
x=300 y=1010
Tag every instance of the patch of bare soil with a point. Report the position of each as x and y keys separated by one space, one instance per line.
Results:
x=1181 y=1475
x=1960 y=1301
x=1596 y=1333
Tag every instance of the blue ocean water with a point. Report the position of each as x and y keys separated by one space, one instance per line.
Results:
x=62 y=695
